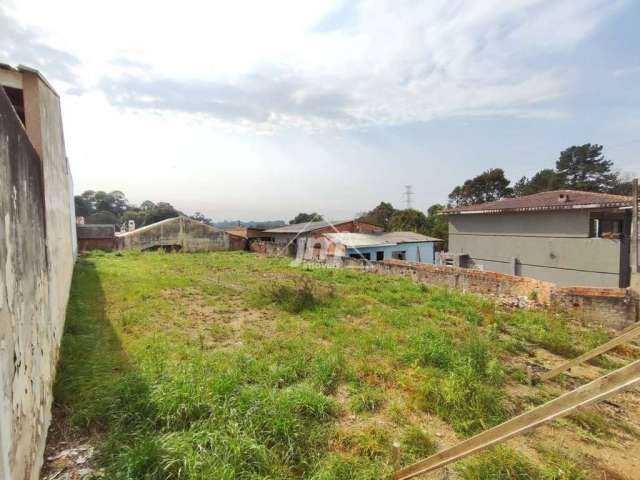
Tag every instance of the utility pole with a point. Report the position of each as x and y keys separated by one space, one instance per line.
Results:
x=408 y=193
x=635 y=252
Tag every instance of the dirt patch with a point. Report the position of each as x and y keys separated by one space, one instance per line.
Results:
x=610 y=459
x=68 y=455
x=218 y=323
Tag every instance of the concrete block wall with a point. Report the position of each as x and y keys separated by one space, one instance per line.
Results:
x=36 y=264
x=188 y=234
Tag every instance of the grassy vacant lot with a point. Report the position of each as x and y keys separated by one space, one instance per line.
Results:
x=235 y=366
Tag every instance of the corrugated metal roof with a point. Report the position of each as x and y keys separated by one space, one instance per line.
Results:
x=95 y=231
x=553 y=200
x=350 y=239
x=306 y=227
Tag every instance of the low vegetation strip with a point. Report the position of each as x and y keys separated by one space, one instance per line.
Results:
x=235 y=366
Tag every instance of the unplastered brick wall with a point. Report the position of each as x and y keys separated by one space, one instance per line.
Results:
x=272 y=249
x=609 y=307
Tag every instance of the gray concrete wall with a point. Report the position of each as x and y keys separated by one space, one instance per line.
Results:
x=550 y=246
x=44 y=113
x=36 y=262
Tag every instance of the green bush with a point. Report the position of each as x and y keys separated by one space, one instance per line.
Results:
x=306 y=295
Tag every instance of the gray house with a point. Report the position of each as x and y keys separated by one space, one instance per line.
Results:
x=568 y=237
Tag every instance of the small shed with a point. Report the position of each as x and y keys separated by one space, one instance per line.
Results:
x=96 y=237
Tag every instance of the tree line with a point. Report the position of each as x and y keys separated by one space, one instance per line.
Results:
x=99 y=207
x=408 y=220
x=580 y=167
x=386 y=216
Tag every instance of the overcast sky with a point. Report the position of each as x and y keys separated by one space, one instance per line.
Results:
x=261 y=109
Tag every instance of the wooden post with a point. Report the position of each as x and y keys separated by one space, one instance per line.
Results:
x=627 y=334
x=592 y=392
x=530 y=379
x=635 y=251
x=395 y=455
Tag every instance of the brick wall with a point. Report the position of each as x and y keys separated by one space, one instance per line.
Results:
x=273 y=249
x=87 y=244
x=237 y=242
x=609 y=307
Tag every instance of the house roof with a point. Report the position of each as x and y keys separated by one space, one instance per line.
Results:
x=355 y=240
x=553 y=200
x=307 y=227
x=87 y=231
x=245 y=232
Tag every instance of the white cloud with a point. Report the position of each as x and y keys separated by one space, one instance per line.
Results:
x=266 y=64
x=261 y=109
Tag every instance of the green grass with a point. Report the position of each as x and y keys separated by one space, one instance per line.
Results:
x=500 y=463
x=235 y=366
x=550 y=331
x=592 y=423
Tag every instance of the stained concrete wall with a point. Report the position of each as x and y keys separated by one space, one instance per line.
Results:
x=36 y=263
x=550 y=246
x=187 y=234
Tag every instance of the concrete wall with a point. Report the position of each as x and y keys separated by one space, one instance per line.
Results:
x=189 y=235
x=44 y=121
x=550 y=246
x=422 y=252
x=36 y=263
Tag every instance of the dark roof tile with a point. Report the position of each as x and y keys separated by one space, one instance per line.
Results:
x=553 y=200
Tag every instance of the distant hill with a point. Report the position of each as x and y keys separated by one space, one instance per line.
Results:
x=251 y=224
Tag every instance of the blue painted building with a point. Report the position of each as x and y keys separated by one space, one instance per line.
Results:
x=408 y=246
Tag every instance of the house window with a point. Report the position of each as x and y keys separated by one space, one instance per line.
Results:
x=399 y=255
x=380 y=256
x=606 y=226
x=361 y=256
